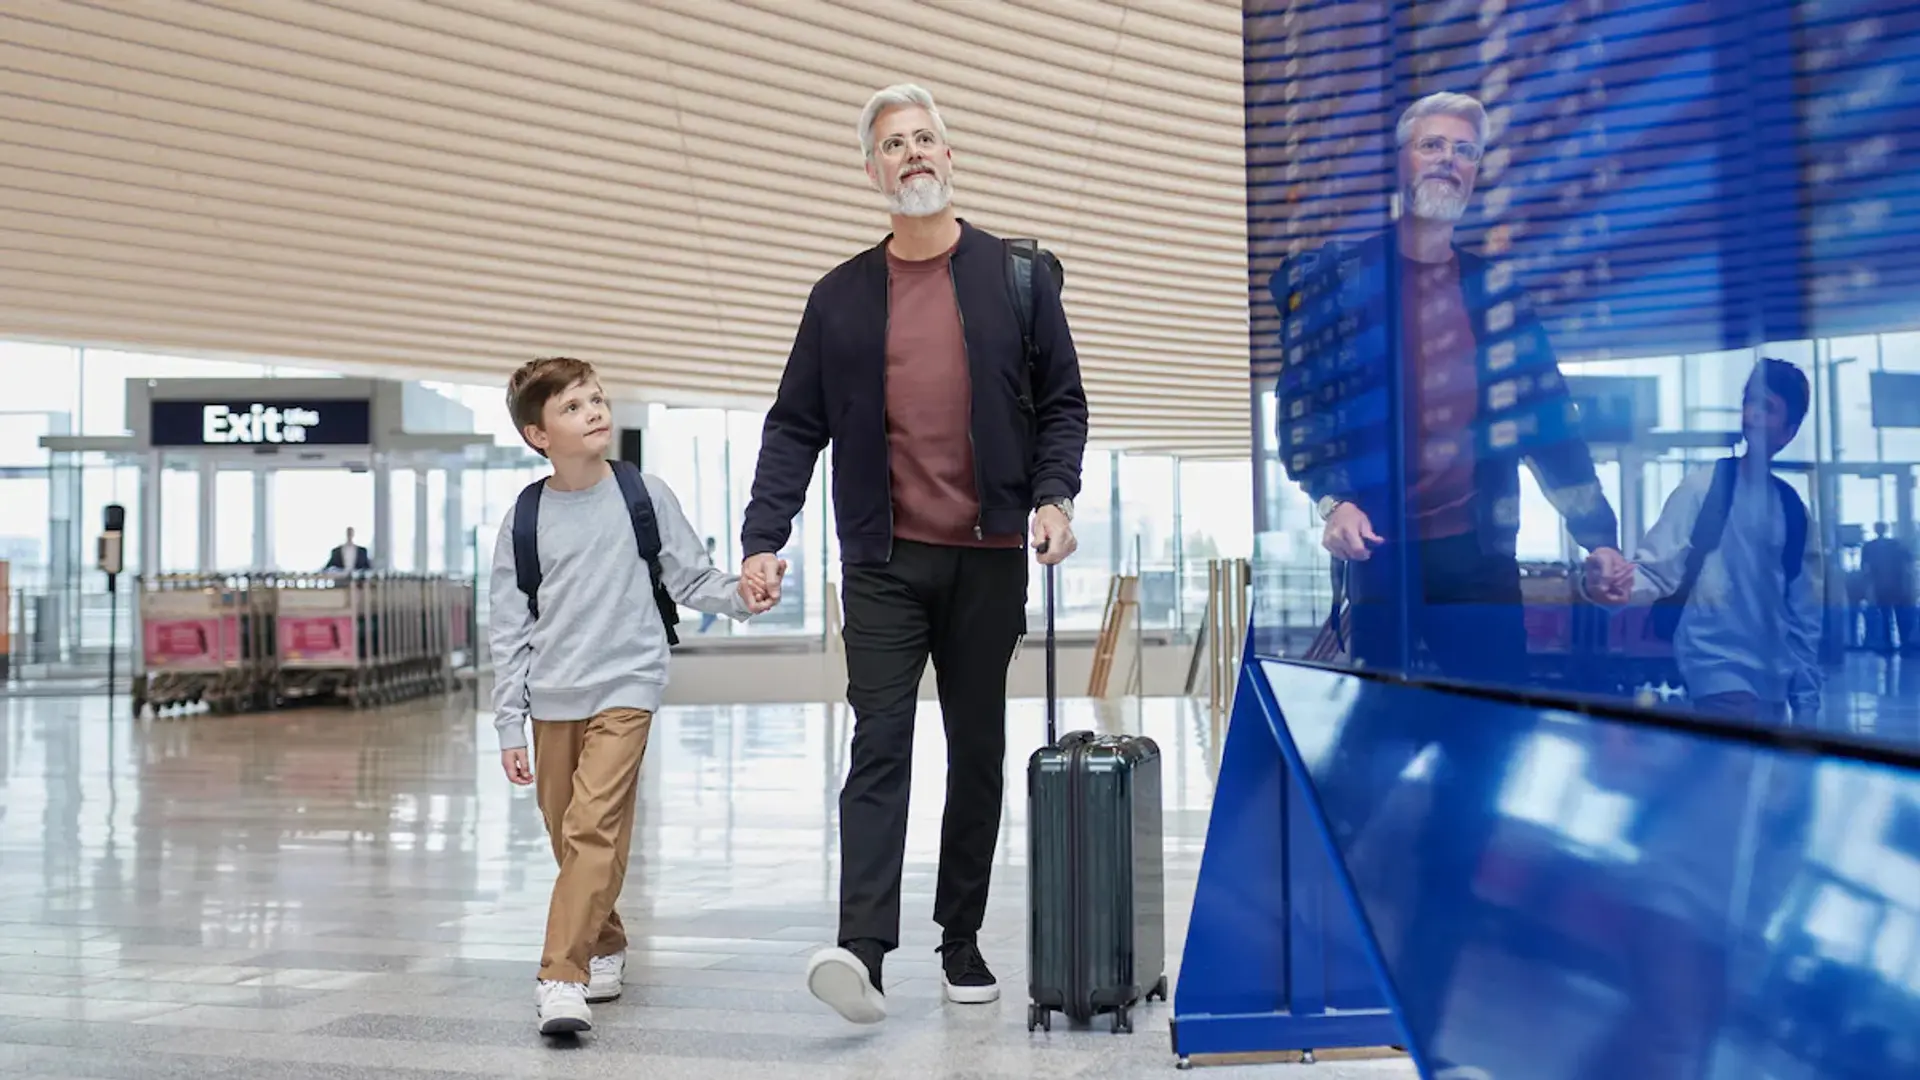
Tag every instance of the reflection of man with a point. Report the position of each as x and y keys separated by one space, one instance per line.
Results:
x=1407 y=339
x=932 y=505
x=349 y=556
x=1888 y=567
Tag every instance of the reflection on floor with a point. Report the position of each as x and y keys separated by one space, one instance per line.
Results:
x=331 y=894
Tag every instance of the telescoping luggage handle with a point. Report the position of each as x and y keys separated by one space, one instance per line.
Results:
x=1053 y=733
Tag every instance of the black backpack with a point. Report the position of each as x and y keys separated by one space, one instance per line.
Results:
x=1705 y=538
x=646 y=533
x=1021 y=255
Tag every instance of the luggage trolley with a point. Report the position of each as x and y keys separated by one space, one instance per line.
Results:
x=206 y=638
x=319 y=649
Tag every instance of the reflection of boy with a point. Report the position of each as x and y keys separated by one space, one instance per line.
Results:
x=1747 y=600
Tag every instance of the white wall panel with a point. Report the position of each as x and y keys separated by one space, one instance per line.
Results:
x=450 y=188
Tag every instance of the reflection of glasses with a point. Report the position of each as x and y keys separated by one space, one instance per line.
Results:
x=1436 y=145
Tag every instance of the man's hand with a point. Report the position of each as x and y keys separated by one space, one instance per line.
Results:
x=1349 y=534
x=760 y=578
x=1609 y=576
x=514 y=763
x=1052 y=536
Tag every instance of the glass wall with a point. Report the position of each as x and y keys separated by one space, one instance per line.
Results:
x=1584 y=349
x=1155 y=515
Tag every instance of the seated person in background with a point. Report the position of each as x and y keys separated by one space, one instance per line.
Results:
x=1734 y=571
x=349 y=556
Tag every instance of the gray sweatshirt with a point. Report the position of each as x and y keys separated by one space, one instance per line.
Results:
x=599 y=643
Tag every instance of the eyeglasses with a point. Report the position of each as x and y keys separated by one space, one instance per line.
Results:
x=1434 y=146
x=924 y=140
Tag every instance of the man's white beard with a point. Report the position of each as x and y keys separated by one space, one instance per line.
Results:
x=922 y=196
x=1436 y=200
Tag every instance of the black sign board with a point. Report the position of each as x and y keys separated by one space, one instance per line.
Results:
x=273 y=422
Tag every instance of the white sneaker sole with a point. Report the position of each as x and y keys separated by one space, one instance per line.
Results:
x=600 y=993
x=566 y=1023
x=971 y=995
x=838 y=978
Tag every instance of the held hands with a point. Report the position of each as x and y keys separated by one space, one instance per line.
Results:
x=1349 y=534
x=1052 y=536
x=514 y=763
x=1609 y=577
x=760 y=578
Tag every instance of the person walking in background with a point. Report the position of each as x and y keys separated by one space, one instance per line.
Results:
x=1888 y=567
x=948 y=433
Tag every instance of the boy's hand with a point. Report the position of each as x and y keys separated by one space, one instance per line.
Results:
x=1609 y=577
x=760 y=579
x=514 y=762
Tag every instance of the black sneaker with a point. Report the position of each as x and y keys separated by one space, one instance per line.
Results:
x=965 y=974
x=848 y=978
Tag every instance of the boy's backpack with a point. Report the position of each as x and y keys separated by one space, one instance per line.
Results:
x=1021 y=255
x=646 y=533
x=1707 y=531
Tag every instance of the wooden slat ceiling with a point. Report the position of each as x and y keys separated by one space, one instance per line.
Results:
x=445 y=189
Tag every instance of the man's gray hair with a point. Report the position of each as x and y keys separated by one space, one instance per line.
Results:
x=897 y=96
x=1444 y=103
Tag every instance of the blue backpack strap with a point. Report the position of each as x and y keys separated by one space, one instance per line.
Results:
x=526 y=544
x=646 y=535
x=1708 y=527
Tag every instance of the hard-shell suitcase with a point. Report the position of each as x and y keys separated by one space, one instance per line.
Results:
x=1097 y=900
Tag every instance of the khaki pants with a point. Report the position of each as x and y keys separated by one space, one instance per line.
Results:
x=585 y=776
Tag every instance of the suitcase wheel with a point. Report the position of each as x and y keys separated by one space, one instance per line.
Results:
x=1039 y=1016
x=1122 y=1021
x=1159 y=990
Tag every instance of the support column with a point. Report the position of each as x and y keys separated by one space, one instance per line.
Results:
x=421 y=511
x=453 y=539
x=380 y=552
x=262 y=519
x=1632 y=499
x=150 y=486
x=209 y=516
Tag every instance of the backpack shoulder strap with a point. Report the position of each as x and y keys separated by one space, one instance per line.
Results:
x=1793 y=553
x=1711 y=525
x=646 y=536
x=1021 y=254
x=526 y=544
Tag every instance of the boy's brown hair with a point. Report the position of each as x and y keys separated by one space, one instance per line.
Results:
x=538 y=382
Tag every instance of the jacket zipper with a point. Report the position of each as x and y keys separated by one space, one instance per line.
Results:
x=973 y=450
x=886 y=333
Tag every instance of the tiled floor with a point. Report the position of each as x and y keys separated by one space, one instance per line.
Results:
x=330 y=894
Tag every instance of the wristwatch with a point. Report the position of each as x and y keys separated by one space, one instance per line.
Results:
x=1065 y=504
x=1327 y=505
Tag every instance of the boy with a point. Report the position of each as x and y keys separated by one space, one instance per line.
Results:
x=587 y=660
x=1735 y=572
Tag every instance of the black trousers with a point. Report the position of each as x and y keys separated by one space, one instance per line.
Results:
x=964 y=609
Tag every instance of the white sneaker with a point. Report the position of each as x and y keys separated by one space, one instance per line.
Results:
x=563 y=1007
x=837 y=977
x=606 y=973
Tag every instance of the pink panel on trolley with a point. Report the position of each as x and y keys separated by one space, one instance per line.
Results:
x=308 y=638
x=192 y=642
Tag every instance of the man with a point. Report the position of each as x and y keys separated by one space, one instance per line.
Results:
x=349 y=556
x=1888 y=567
x=946 y=436
x=1415 y=381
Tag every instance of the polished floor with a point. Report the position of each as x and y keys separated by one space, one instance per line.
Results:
x=327 y=894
